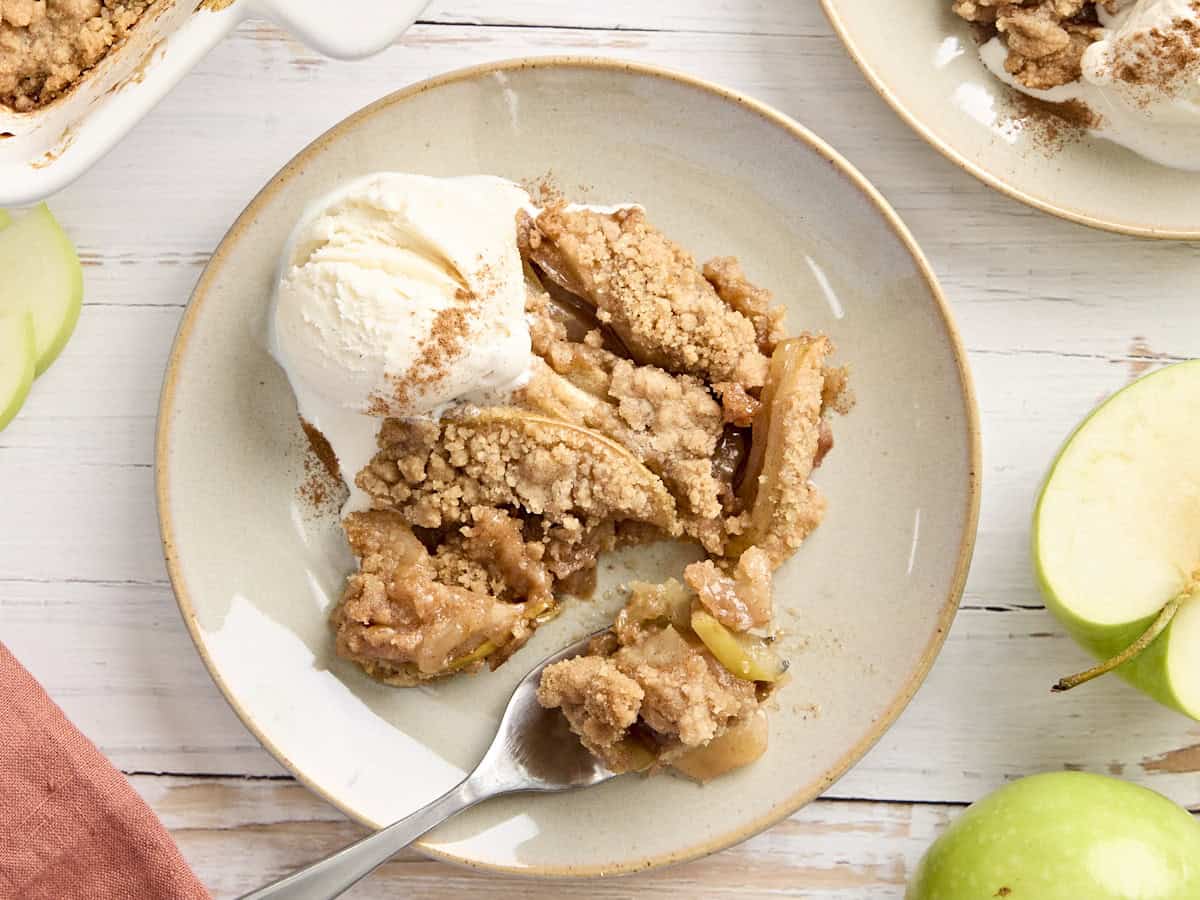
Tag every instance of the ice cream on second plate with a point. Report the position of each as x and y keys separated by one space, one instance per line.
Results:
x=1141 y=78
x=398 y=295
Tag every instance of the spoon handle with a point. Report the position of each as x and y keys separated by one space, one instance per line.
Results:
x=337 y=873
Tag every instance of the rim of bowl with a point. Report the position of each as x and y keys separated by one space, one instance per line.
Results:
x=797 y=798
x=988 y=177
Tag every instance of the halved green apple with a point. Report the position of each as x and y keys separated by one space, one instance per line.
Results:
x=1064 y=836
x=1116 y=537
x=18 y=355
x=40 y=273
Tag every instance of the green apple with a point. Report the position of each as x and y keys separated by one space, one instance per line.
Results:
x=5 y=218
x=1116 y=537
x=1065 y=836
x=40 y=272
x=18 y=354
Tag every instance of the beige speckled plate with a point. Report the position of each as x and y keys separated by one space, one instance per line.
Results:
x=922 y=59
x=867 y=602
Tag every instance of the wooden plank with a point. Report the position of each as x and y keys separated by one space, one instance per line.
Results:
x=117 y=659
x=238 y=834
x=729 y=16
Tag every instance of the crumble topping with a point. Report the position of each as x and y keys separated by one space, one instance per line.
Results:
x=46 y=46
x=671 y=423
x=1046 y=39
x=434 y=474
x=731 y=284
x=648 y=289
x=599 y=700
x=403 y=625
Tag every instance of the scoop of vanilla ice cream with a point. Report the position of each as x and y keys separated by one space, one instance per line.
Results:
x=401 y=293
x=397 y=295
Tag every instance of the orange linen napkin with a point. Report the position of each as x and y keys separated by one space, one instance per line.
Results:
x=71 y=826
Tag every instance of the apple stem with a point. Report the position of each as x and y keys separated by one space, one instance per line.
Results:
x=1157 y=627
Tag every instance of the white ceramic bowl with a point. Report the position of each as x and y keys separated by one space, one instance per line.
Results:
x=44 y=150
x=923 y=60
x=866 y=602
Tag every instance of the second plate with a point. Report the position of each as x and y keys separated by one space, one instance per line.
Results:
x=923 y=60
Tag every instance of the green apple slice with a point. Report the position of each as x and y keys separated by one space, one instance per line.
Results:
x=18 y=354
x=1116 y=537
x=40 y=272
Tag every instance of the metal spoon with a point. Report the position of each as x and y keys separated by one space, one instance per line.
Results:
x=533 y=750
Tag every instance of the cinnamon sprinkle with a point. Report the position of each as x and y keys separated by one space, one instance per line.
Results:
x=1052 y=126
x=1161 y=61
x=321 y=491
x=322 y=448
x=441 y=348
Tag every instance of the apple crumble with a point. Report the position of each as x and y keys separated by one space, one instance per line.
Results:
x=46 y=46
x=667 y=401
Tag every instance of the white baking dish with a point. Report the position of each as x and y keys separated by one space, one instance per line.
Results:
x=44 y=150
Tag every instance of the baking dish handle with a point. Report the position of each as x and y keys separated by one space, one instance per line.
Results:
x=347 y=30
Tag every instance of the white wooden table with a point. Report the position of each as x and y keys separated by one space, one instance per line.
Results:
x=1055 y=317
